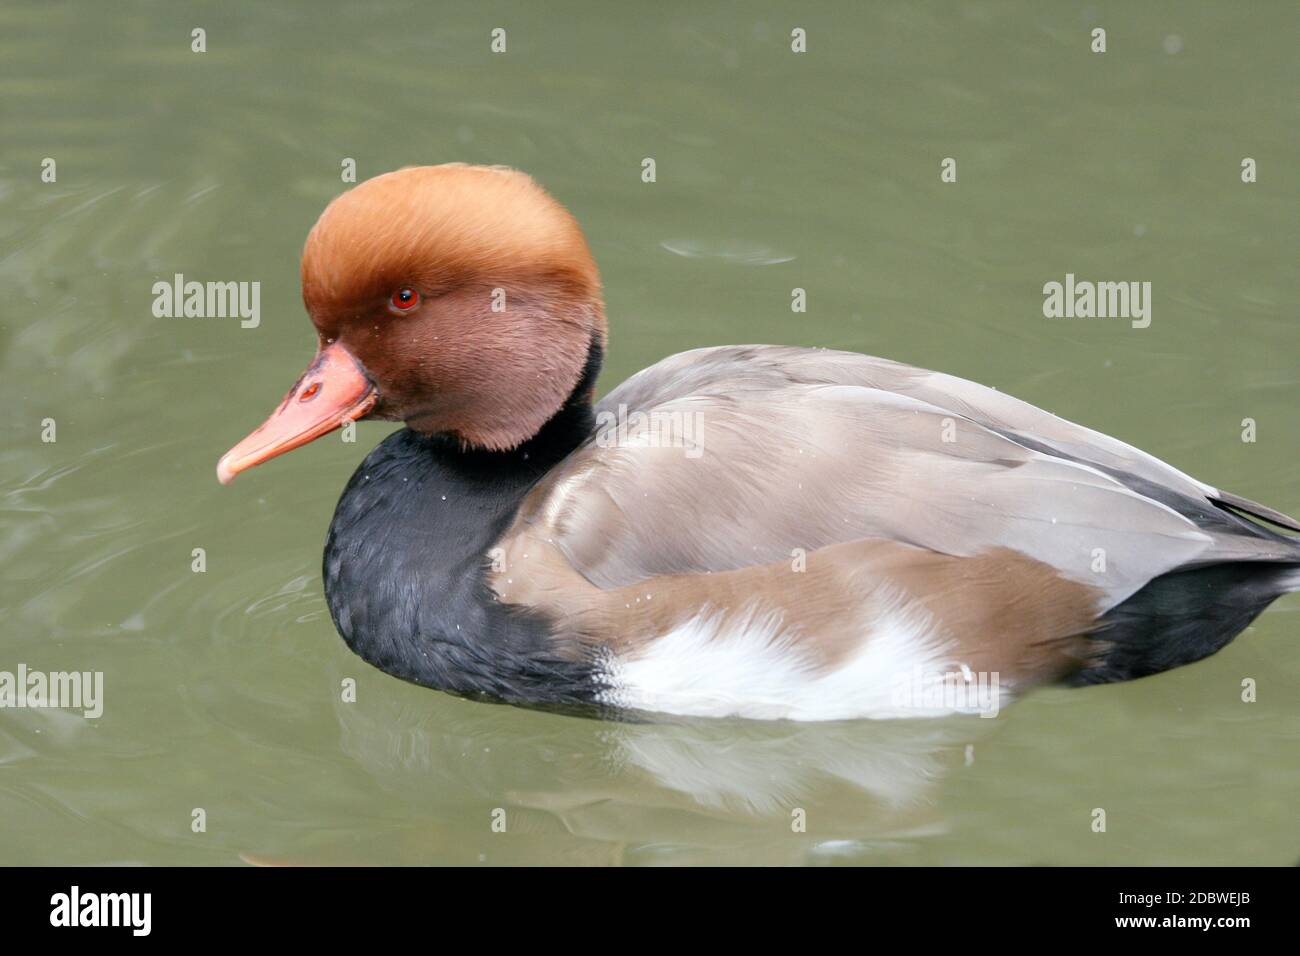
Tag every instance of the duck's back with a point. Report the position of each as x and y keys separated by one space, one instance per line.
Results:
x=838 y=515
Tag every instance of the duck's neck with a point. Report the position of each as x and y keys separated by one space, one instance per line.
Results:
x=407 y=555
x=563 y=432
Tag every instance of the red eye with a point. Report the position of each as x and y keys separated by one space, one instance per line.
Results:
x=404 y=300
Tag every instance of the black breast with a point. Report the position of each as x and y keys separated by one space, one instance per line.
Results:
x=405 y=573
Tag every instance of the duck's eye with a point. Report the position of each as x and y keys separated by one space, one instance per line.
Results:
x=406 y=299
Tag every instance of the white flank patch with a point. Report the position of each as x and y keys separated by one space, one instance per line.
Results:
x=754 y=668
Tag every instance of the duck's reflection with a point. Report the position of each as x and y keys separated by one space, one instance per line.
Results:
x=575 y=790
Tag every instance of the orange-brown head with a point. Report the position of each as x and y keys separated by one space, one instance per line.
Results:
x=459 y=299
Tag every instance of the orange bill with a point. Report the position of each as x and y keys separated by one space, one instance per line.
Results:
x=334 y=389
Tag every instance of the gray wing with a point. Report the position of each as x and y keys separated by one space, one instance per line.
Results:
x=792 y=448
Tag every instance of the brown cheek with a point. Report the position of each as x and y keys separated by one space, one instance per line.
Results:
x=444 y=357
x=392 y=349
x=515 y=378
x=454 y=365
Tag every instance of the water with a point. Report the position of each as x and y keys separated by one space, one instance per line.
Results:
x=775 y=171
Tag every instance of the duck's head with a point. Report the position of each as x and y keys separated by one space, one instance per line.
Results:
x=459 y=299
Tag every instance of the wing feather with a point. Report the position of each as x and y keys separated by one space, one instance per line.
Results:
x=802 y=448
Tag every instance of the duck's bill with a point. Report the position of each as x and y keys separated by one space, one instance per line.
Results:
x=335 y=389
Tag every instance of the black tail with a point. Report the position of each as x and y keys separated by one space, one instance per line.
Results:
x=1182 y=617
x=1256 y=510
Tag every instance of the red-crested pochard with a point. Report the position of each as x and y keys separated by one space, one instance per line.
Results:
x=829 y=528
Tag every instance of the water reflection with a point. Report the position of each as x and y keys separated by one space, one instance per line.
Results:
x=674 y=791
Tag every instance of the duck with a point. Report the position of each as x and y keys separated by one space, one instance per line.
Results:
x=749 y=531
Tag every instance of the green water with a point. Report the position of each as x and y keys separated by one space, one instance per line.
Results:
x=775 y=170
